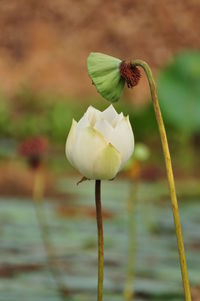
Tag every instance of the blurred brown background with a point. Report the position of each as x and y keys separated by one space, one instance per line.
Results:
x=45 y=43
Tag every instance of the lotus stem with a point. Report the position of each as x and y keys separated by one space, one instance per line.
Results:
x=100 y=239
x=128 y=289
x=170 y=176
x=38 y=192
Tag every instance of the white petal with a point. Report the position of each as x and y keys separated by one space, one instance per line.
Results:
x=70 y=142
x=83 y=122
x=93 y=115
x=107 y=163
x=109 y=114
x=89 y=118
x=91 y=110
x=117 y=119
x=88 y=145
x=104 y=128
x=123 y=140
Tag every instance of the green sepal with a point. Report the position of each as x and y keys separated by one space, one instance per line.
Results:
x=104 y=71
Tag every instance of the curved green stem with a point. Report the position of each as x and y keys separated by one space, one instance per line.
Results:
x=100 y=239
x=170 y=176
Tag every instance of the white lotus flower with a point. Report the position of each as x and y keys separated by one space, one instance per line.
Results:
x=100 y=144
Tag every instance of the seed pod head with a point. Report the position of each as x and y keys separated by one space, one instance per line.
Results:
x=109 y=75
x=131 y=74
x=104 y=71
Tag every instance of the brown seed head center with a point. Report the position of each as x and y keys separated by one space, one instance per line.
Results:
x=130 y=74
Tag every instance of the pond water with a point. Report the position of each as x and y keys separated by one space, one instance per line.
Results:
x=73 y=238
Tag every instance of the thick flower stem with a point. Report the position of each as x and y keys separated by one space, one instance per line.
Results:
x=100 y=239
x=38 y=191
x=170 y=176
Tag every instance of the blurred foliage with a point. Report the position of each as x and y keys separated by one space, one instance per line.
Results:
x=30 y=114
x=144 y=122
x=142 y=119
x=179 y=92
x=4 y=116
x=28 y=101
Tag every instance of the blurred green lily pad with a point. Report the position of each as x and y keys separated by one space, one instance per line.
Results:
x=179 y=92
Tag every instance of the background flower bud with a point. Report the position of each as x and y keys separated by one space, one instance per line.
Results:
x=33 y=149
x=100 y=144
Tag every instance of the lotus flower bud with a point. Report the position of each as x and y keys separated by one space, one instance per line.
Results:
x=100 y=144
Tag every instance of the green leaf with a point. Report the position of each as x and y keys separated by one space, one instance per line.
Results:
x=104 y=71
